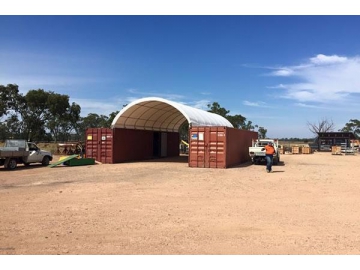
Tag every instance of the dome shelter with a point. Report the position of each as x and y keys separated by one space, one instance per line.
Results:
x=148 y=128
x=159 y=114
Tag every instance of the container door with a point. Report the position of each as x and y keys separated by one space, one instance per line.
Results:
x=216 y=141
x=99 y=144
x=197 y=151
x=207 y=147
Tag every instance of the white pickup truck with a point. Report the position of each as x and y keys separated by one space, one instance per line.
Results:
x=21 y=151
x=258 y=156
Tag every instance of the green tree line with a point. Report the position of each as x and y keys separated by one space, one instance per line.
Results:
x=237 y=120
x=44 y=116
x=47 y=116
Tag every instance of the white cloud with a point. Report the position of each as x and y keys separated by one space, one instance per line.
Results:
x=199 y=104
x=283 y=72
x=104 y=107
x=205 y=93
x=305 y=105
x=323 y=79
x=322 y=59
x=132 y=91
x=254 y=104
x=169 y=96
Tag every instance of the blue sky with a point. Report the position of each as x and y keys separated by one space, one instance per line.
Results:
x=280 y=72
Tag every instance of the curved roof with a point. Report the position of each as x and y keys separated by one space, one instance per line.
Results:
x=159 y=114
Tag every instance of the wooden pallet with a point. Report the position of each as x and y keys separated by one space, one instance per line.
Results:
x=306 y=150
x=295 y=150
x=336 y=150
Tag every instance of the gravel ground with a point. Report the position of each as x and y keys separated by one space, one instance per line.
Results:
x=308 y=205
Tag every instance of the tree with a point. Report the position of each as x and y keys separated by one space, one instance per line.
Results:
x=216 y=108
x=37 y=113
x=9 y=98
x=62 y=117
x=34 y=113
x=352 y=126
x=3 y=132
x=14 y=127
x=238 y=121
x=57 y=120
x=93 y=120
x=262 y=132
x=45 y=112
x=249 y=126
x=184 y=131
x=74 y=118
x=323 y=125
x=112 y=116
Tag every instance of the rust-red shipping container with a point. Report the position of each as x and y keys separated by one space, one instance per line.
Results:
x=123 y=145
x=219 y=147
x=99 y=144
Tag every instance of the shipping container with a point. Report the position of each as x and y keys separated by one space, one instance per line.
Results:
x=219 y=147
x=99 y=144
x=124 y=145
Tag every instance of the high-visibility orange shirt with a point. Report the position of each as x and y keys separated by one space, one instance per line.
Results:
x=270 y=150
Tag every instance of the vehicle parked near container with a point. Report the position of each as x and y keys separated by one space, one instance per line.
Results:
x=258 y=156
x=17 y=152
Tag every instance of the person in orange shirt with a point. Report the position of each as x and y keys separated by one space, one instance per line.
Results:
x=269 y=155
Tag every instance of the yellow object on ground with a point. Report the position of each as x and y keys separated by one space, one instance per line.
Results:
x=184 y=142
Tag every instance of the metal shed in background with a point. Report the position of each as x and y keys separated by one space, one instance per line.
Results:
x=149 y=128
x=326 y=140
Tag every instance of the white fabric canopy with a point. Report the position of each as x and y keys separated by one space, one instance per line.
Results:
x=159 y=114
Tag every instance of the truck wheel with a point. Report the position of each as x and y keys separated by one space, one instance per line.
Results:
x=45 y=161
x=12 y=164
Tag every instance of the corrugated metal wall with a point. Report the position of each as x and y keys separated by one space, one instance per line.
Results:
x=238 y=148
x=219 y=147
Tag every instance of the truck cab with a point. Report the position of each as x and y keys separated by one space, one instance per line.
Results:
x=37 y=155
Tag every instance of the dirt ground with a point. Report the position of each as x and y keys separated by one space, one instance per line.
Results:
x=308 y=205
